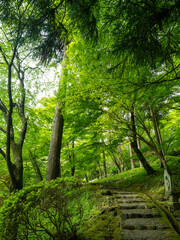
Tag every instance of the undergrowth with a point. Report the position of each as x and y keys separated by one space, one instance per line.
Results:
x=138 y=180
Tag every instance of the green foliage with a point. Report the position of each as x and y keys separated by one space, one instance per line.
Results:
x=50 y=210
x=146 y=30
x=137 y=179
x=134 y=62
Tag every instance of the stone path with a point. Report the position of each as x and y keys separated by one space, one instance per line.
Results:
x=140 y=218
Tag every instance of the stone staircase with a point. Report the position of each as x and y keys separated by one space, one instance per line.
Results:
x=141 y=219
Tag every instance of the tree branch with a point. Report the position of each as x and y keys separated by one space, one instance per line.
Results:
x=4 y=110
x=2 y=130
x=3 y=153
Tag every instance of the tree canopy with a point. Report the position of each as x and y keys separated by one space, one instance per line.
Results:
x=118 y=87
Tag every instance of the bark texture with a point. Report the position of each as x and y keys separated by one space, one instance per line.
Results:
x=53 y=166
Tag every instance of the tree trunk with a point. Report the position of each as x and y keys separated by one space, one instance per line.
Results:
x=121 y=157
x=17 y=168
x=158 y=136
x=131 y=156
x=72 y=171
x=36 y=167
x=114 y=158
x=100 y=171
x=139 y=147
x=104 y=165
x=53 y=166
x=134 y=145
x=71 y=159
x=15 y=185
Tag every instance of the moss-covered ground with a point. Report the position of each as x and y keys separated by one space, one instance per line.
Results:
x=102 y=223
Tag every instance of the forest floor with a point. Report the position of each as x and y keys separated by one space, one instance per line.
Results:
x=132 y=205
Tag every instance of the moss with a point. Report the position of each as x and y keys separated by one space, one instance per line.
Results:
x=104 y=220
x=105 y=226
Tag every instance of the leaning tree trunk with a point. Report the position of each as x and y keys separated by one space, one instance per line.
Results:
x=134 y=145
x=115 y=160
x=53 y=166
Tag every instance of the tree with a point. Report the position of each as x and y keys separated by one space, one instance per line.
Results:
x=134 y=145
x=36 y=146
x=16 y=70
x=53 y=167
x=136 y=51
x=16 y=169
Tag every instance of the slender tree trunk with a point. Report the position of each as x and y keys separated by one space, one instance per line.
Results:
x=104 y=165
x=139 y=147
x=72 y=171
x=15 y=185
x=114 y=158
x=131 y=156
x=53 y=165
x=121 y=157
x=17 y=167
x=160 y=150
x=134 y=145
x=72 y=160
x=36 y=167
x=99 y=168
x=158 y=136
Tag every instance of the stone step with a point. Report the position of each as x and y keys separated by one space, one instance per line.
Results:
x=123 y=193
x=140 y=213
x=137 y=206
x=148 y=235
x=144 y=224
x=131 y=200
x=128 y=196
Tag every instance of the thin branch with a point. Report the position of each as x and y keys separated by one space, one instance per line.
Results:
x=4 y=56
x=3 y=109
x=2 y=130
x=3 y=153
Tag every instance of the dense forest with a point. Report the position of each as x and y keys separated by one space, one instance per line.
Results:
x=89 y=89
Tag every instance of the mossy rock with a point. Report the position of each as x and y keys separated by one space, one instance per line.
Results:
x=106 y=192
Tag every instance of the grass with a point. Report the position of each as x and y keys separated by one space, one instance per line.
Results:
x=138 y=180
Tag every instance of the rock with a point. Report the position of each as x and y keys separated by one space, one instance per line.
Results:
x=106 y=192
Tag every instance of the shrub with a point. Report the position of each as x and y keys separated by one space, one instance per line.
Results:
x=50 y=210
